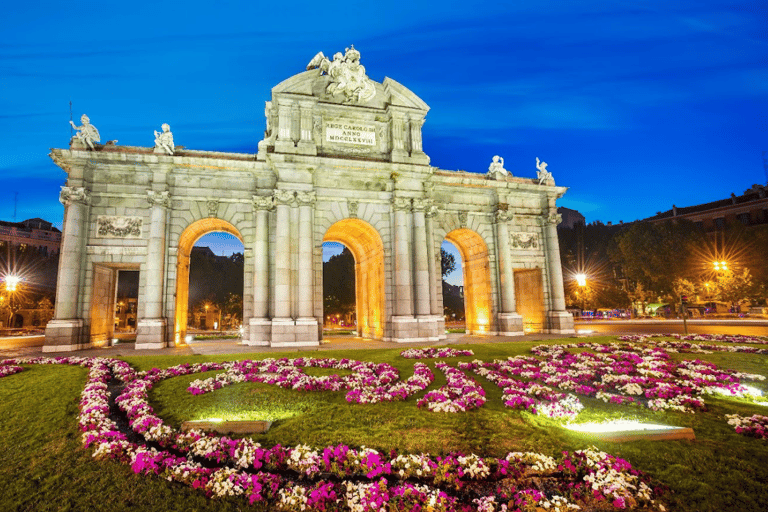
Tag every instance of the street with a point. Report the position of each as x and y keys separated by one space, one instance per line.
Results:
x=619 y=327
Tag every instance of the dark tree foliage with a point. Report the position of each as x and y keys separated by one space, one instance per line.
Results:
x=339 y=284
x=655 y=255
x=214 y=277
x=447 y=262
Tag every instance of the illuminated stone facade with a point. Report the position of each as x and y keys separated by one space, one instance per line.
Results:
x=336 y=164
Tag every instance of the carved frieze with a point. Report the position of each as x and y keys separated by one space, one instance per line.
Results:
x=524 y=240
x=111 y=226
x=69 y=195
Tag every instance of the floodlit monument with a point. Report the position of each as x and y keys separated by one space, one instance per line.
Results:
x=341 y=160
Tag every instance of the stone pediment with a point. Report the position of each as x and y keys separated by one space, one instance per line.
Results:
x=335 y=109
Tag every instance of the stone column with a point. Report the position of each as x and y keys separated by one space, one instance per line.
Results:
x=560 y=321
x=405 y=326
x=306 y=323
x=64 y=332
x=260 y=325
x=435 y=278
x=284 y=199
x=151 y=330
x=510 y=322
x=306 y=143
x=420 y=258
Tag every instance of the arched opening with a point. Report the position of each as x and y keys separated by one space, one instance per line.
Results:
x=368 y=250
x=477 y=279
x=451 y=270
x=187 y=241
x=339 y=299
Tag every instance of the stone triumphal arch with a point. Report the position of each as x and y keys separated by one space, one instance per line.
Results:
x=341 y=160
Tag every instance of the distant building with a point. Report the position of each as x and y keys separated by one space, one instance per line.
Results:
x=33 y=234
x=748 y=209
x=570 y=217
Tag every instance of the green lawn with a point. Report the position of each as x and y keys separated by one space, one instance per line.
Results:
x=44 y=467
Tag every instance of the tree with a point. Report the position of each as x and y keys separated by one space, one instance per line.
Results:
x=339 y=284
x=655 y=255
x=233 y=308
x=735 y=287
x=447 y=262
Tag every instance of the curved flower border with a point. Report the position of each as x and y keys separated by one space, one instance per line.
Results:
x=434 y=353
x=362 y=480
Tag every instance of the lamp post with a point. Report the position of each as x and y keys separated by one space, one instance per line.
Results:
x=581 y=280
x=11 y=286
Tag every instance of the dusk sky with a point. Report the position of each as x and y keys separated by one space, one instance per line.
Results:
x=635 y=105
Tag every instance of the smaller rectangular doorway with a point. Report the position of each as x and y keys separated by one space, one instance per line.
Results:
x=529 y=296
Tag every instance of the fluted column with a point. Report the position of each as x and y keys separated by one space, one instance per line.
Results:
x=153 y=292
x=76 y=200
x=559 y=320
x=403 y=279
x=262 y=205
x=509 y=321
x=151 y=328
x=260 y=326
x=420 y=258
x=306 y=202
x=435 y=279
x=284 y=199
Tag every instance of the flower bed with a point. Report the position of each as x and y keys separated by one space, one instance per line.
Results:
x=340 y=477
x=434 y=353
x=753 y=426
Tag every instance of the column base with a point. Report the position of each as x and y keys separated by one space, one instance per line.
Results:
x=510 y=324
x=560 y=322
x=287 y=332
x=259 y=332
x=429 y=327
x=405 y=329
x=150 y=333
x=64 y=336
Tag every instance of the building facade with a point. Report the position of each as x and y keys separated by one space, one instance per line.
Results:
x=342 y=161
x=34 y=234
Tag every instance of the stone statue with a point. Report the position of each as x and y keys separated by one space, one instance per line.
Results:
x=543 y=174
x=164 y=140
x=347 y=75
x=496 y=170
x=87 y=133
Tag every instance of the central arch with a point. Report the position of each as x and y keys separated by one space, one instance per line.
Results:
x=477 y=279
x=187 y=240
x=368 y=250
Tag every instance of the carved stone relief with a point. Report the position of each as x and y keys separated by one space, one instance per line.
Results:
x=525 y=240
x=109 y=226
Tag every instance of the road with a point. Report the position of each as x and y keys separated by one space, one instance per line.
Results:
x=619 y=327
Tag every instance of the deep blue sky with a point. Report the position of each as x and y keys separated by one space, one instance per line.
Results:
x=634 y=105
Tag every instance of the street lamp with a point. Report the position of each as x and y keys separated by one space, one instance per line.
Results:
x=11 y=286
x=720 y=266
x=581 y=280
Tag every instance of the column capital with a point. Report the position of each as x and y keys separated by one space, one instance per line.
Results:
x=503 y=216
x=401 y=204
x=432 y=211
x=156 y=198
x=306 y=198
x=69 y=195
x=263 y=202
x=284 y=197
x=421 y=204
x=552 y=218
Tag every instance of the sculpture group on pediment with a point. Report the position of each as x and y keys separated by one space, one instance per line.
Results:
x=87 y=133
x=347 y=76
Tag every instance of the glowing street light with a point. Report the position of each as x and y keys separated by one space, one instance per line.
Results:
x=11 y=283
x=581 y=280
x=720 y=266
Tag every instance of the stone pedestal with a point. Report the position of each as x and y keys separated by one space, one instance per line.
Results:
x=306 y=331
x=560 y=322
x=287 y=332
x=150 y=333
x=429 y=328
x=510 y=324
x=405 y=329
x=260 y=331
x=64 y=335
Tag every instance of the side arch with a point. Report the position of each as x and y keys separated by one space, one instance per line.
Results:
x=187 y=240
x=367 y=248
x=477 y=279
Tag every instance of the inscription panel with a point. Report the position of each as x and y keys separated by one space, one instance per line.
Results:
x=350 y=132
